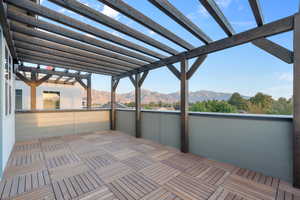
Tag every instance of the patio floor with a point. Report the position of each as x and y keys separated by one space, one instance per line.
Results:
x=112 y=165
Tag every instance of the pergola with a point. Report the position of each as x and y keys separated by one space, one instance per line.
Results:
x=35 y=76
x=37 y=41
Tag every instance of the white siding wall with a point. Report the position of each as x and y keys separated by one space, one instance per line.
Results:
x=70 y=96
x=7 y=125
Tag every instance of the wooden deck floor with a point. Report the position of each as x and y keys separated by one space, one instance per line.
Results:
x=112 y=165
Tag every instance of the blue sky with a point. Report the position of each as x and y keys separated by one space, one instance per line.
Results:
x=244 y=69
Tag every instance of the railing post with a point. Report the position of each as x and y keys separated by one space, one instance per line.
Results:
x=89 y=92
x=33 y=90
x=184 y=106
x=296 y=96
x=113 y=105
x=137 y=106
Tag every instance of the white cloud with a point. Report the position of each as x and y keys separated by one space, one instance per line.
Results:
x=280 y=91
x=286 y=77
x=110 y=12
x=223 y=3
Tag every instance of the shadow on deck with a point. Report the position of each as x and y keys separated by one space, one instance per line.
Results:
x=112 y=165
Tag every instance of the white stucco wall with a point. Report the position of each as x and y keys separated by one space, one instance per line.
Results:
x=7 y=125
x=70 y=96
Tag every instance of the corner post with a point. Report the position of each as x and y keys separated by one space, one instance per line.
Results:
x=138 y=106
x=89 y=92
x=296 y=96
x=33 y=90
x=113 y=104
x=184 y=106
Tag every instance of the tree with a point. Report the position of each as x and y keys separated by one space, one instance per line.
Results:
x=282 y=106
x=238 y=101
x=262 y=101
x=213 y=106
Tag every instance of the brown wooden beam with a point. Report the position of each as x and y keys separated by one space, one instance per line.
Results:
x=296 y=101
x=33 y=91
x=42 y=80
x=6 y=29
x=139 y=17
x=79 y=80
x=138 y=116
x=184 y=106
x=273 y=28
x=71 y=22
x=114 y=85
x=68 y=49
x=257 y=12
x=89 y=92
x=195 y=66
x=16 y=27
x=112 y=23
x=174 y=70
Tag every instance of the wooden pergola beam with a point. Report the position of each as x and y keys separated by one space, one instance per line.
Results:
x=64 y=48
x=71 y=22
x=184 y=106
x=217 y=14
x=79 y=80
x=6 y=29
x=25 y=47
x=112 y=23
x=173 y=69
x=72 y=43
x=42 y=80
x=273 y=28
x=52 y=28
x=296 y=102
x=114 y=85
x=195 y=66
x=166 y=7
x=257 y=12
x=274 y=49
x=68 y=79
x=50 y=72
x=139 y=17
x=28 y=53
x=44 y=61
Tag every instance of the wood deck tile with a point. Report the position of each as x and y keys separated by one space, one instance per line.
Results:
x=115 y=166
x=190 y=188
x=132 y=187
x=160 y=173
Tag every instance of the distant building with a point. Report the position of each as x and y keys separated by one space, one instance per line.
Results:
x=50 y=96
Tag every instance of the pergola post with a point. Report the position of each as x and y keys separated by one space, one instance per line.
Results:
x=296 y=96
x=89 y=92
x=184 y=106
x=33 y=91
x=114 y=84
x=138 y=120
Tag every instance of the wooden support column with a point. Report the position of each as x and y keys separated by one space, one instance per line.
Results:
x=114 y=85
x=296 y=96
x=33 y=91
x=184 y=106
x=138 y=120
x=89 y=92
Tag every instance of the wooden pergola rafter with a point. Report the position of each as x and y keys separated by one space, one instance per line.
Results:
x=115 y=56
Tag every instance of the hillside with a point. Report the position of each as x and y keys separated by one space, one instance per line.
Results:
x=102 y=97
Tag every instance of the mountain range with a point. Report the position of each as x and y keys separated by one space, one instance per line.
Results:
x=102 y=97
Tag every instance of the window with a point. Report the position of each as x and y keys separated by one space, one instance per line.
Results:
x=19 y=99
x=51 y=100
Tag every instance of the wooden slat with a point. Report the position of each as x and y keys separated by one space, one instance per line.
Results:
x=257 y=12
x=217 y=14
x=69 y=21
x=64 y=41
x=273 y=28
x=17 y=16
x=114 y=24
x=134 y=14
x=180 y=18
x=34 y=48
x=63 y=48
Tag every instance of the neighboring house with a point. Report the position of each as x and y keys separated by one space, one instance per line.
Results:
x=50 y=96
